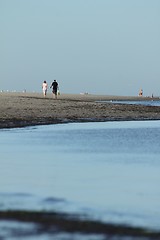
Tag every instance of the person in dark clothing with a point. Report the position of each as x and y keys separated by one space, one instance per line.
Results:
x=54 y=87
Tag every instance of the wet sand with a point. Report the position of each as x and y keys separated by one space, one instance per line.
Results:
x=54 y=223
x=29 y=109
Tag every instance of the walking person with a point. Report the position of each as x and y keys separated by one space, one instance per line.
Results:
x=140 y=92
x=44 y=88
x=54 y=87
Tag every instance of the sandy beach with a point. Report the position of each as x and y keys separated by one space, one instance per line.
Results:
x=29 y=109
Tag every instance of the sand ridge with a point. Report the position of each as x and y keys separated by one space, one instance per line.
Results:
x=28 y=109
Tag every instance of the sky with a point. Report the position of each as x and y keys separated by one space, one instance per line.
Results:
x=108 y=47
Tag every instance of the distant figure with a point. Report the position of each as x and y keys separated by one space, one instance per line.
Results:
x=141 y=92
x=54 y=87
x=44 y=88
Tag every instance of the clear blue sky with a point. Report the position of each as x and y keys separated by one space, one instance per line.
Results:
x=107 y=47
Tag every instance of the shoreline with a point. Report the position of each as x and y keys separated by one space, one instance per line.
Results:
x=32 y=109
x=55 y=222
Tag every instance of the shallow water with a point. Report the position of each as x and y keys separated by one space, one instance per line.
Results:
x=141 y=102
x=109 y=171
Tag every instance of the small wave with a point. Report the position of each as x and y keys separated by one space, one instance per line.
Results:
x=15 y=194
x=53 y=200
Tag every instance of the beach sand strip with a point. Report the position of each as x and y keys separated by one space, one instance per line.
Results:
x=29 y=109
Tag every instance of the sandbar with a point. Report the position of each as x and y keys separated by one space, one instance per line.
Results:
x=29 y=109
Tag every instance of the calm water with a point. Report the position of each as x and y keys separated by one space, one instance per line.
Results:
x=109 y=171
x=142 y=102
